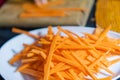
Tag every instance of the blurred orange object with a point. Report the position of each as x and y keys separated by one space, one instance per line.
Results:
x=108 y=13
x=44 y=10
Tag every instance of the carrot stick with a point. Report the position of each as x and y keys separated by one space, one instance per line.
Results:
x=15 y=58
x=30 y=60
x=70 y=62
x=47 y=10
x=50 y=31
x=32 y=72
x=81 y=41
x=75 y=47
x=91 y=36
x=53 y=10
x=35 y=47
x=103 y=34
x=106 y=78
x=81 y=76
x=98 y=30
x=103 y=48
x=66 y=32
x=16 y=30
x=75 y=77
x=57 y=68
x=86 y=68
x=23 y=67
x=67 y=57
x=34 y=15
x=106 y=69
x=114 y=61
x=39 y=52
x=49 y=58
x=99 y=59
x=65 y=75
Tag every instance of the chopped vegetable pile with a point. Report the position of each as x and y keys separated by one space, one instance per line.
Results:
x=46 y=10
x=69 y=57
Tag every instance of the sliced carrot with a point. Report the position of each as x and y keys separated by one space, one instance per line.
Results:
x=65 y=75
x=98 y=30
x=50 y=31
x=114 y=61
x=16 y=30
x=67 y=61
x=74 y=47
x=105 y=62
x=39 y=52
x=106 y=69
x=23 y=61
x=69 y=57
x=103 y=34
x=81 y=76
x=80 y=41
x=23 y=67
x=47 y=10
x=32 y=72
x=106 y=78
x=44 y=41
x=103 y=48
x=75 y=77
x=49 y=58
x=37 y=10
x=60 y=76
x=71 y=36
x=100 y=58
x=15 y=58
x=57 y=68
x=91 y=36
x=110 y=45
x=66 y=67
x=86 y=68
x=35 y=47
x=35 y=15
x=90 y=58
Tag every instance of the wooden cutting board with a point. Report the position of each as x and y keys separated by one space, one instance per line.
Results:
x=9 y=15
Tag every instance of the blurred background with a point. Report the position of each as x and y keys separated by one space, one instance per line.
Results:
x=65 y=13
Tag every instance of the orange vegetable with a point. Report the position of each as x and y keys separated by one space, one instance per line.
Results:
x=24 y=32
x=106 y=78
x=49 y=57
x=70 y=57
x=47 y=10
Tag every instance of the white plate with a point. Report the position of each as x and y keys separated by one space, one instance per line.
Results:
x=6 y=53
